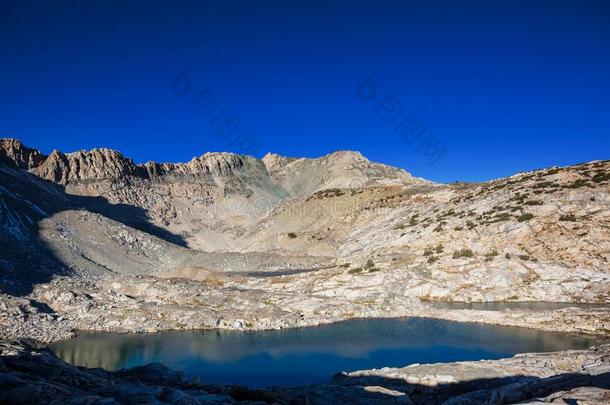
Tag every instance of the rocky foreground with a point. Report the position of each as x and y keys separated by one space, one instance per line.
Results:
x=32 y=375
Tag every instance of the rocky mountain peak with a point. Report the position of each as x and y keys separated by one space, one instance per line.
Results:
x=95 y=164
x=295 y=176
x=215 y=164
x=347 y=155
x=273 y=161
x=340 y=169
x=14 y=154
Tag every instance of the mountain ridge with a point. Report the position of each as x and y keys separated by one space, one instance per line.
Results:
x=232 y=242
x=110 y=163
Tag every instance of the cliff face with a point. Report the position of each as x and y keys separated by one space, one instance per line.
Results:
x=14 y=154
x=108 y=164
x=297 y=176
x=97 y=164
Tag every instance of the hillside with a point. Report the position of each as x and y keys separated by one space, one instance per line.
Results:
x=235 y=242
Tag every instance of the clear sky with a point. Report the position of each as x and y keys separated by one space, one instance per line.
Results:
x=499 y=86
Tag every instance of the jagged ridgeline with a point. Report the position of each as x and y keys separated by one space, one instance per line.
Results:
x=209 y=203
x=532 y=236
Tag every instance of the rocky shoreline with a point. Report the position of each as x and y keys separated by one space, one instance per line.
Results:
x=22 y=317
x=30 y=373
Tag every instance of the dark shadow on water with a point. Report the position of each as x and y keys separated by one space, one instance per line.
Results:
x=311 y=355
x=25 y=200
x=340 y=389
x=278 y=273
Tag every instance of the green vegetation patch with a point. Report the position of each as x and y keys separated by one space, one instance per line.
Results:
x=463 y=253
x=578 y=184
x=600 y=177
x=491 y=255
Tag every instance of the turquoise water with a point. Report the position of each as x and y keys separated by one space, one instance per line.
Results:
x=310 y=355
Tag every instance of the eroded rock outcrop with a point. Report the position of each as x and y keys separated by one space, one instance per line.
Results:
x=14 y=154
x=97 y=164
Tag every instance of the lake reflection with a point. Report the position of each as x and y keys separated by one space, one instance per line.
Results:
x=310 y=355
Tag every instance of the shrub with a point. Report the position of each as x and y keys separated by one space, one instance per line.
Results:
x=525 y=217
x=369 y=266
x=462 y=253
x=491 y=255
x=568 y=218
x=292 y=235
x=601 y=176
x=432 y=259
x=439 y=248
x=458 y=228
x=428 y=251
x=507 y=256
x=505 y=216
x=552 y=171
x=578 y=184
x=533 y=202
x=544 y=184
x=524 y=257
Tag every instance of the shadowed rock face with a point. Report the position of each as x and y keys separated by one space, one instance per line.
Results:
x=14 y=154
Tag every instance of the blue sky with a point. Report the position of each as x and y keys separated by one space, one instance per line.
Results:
x=499 y=86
